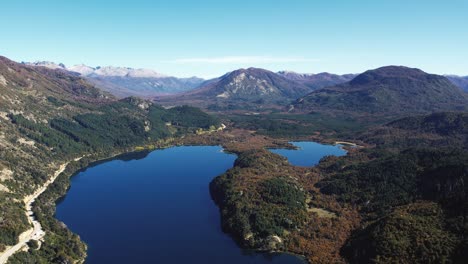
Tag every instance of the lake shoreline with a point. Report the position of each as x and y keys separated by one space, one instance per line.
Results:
x=141 y=159
x=252 y=171
x=72 y=168
x=94 y=159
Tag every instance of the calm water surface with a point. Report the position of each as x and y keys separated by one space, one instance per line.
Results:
x=155 y=209
x=309 y=153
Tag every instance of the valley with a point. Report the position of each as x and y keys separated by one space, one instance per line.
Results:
x=404 y=132
x=263 y=132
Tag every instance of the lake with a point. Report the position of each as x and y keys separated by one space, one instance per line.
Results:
x=309 y=153
x=155 y=208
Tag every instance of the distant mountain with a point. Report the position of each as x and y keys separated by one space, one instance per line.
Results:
x=243 y=88
x=460 y=81
x=146 y=87
x=47 y=64
x=253 y=84
x=124 y=81
x=319 y=80
x=110 y=71
x=391 y=90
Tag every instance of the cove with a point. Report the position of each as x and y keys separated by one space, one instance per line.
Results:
x=309 y=153
x=155 y=208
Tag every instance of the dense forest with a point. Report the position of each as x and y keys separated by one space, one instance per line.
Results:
x=401 y=198
x=116 y=125
x=441 y=130
x=281 y=125
x=268 y=204
x=257 y=206
x=410 y=191
x=413 y=205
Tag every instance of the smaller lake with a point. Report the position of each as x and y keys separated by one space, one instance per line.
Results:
x=309 y=153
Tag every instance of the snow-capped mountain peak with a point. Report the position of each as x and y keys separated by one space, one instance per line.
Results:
x=127 y=72
x=82 y=69
x=107 y=71
x=47 y=64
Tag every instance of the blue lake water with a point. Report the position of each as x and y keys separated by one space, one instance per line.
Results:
x=309 y=153
x=155 y=208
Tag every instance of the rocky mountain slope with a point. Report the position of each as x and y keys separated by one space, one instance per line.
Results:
x=250 y=87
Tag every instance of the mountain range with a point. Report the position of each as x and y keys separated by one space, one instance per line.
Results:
x=388 y=90
x=107 y=71
x=51 y=115
x=253 y=88
x=125 y=81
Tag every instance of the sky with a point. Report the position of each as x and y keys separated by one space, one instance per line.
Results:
x=209 y=38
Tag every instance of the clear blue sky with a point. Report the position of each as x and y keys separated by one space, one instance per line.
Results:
x=208 y=38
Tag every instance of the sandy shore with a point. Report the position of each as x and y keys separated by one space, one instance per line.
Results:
x=346 y=143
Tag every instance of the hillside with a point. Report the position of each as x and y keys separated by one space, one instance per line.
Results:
x=244 y=88
x=387 y=91
x=434 y=130
x=49 y=117
x=409 y=190
x=413 y=205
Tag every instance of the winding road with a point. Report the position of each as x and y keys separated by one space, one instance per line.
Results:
x=36 y=232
